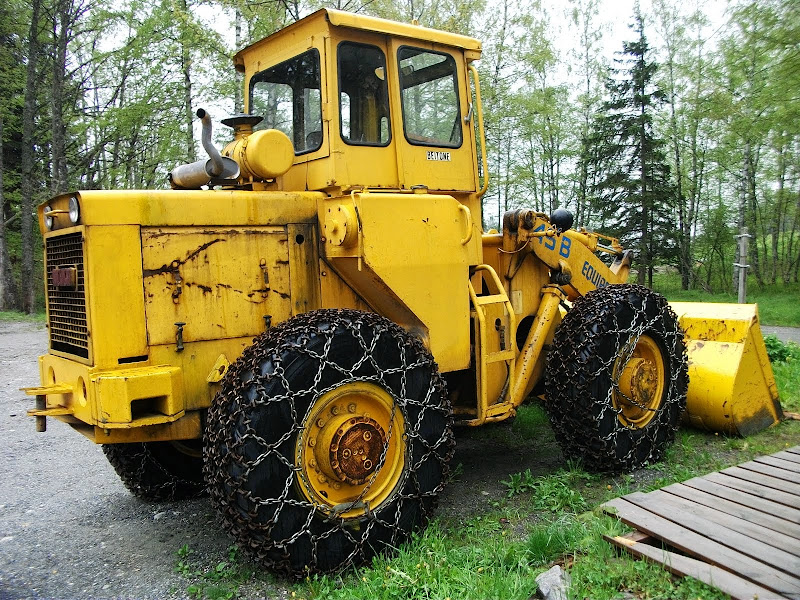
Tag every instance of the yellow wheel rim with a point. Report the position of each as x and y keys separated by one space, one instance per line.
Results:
x=640 y=383
x=351 y=451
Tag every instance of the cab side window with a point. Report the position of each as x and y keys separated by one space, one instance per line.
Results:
x=288 y=97
x=363 y=95
x=429 y=92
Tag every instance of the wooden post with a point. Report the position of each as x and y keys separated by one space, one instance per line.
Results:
x=742 y=264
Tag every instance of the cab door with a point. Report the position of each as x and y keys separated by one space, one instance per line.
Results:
x=435 y=148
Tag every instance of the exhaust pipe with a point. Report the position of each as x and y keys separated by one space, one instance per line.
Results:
x=197 y=174
x=217 y=166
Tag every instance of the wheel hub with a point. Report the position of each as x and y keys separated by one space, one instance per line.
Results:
x=351 y=449
x=639 y=383
x=639 y=380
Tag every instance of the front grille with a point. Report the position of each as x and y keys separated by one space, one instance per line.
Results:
x=69 y=330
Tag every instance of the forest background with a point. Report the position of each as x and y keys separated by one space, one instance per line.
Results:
x=685 y=137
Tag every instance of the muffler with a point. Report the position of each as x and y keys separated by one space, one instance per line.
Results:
x=217 y=168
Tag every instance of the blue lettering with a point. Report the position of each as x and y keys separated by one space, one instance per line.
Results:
x=592 y=276
x=566 y=243
x=539 y=228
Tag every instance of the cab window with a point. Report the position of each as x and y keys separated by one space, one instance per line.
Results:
x=288 y=97
x=363 y=95
x=429 y=92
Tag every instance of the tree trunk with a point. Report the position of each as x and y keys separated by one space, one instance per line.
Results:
x=8 y=288
x=58 y=181
x=750 y=191
x=28 y=122
x=186 y=67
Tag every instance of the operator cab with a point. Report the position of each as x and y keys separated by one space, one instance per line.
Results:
x=366 y=103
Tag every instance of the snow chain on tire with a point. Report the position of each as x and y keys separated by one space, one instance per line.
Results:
x=157 y=470
x=591 y=347
x=252 y=461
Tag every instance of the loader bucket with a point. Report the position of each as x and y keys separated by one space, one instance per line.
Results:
x=731 y=386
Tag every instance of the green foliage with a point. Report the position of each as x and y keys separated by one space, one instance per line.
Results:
x=779 y=351
x=459 y=561
x=787 y=378
x=219 y=582
x=553 y=493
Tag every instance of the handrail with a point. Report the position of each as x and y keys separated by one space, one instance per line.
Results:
x=481 y=132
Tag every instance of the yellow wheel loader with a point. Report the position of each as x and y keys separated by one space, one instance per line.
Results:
x=298 y=324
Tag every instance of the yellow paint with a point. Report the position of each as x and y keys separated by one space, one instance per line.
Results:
x=265 y=154
x=218 y=370
x=115 y=300
x=409 y=265
x=400 y=164
x=219 y=282
x=340 y=447
x=495 y=351
x=186 y=208
x=146 y=395
x=731 y=385
x=640 y=382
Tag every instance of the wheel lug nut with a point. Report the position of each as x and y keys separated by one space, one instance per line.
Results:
x=368 y=464
x=337 y=486
x=351 y=407
x=312 y=463
x=312 y=442
x=320 y=422
x=334 y=410
x=367 y=436
x=346 y=453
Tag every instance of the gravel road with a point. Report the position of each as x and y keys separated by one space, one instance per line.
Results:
x=68 y=527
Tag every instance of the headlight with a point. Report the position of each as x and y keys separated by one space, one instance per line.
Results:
x=74 y=210
x=48 y=220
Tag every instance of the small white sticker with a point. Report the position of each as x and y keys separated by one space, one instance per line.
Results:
x=434 y=155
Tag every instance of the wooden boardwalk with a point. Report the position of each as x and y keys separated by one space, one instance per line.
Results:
x=737 y=530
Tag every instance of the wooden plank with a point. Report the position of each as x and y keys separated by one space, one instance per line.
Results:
x=771 y=471
x=704 y=548
x=742 y=511
x=764 y=480
x=754 y=489
x=795 y=450
x=747 y=499
x=737 y=533
x=780 y=463
x=736 y=587
x=795 y=458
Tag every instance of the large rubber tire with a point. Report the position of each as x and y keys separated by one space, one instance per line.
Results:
x=159 y=470
x=611 y=341
x=257 y=447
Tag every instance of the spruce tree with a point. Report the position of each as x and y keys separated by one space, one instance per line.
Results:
x=630 y=177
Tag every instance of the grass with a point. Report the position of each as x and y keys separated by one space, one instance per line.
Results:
x=6 y=316
x=777 y=304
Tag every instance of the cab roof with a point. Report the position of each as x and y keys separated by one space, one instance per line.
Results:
x=338 y=18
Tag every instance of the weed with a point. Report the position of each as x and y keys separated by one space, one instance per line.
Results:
x=779 y=351
x=519 y=483
x=548 y=541
x=531 y=421
x=552 y=493
x=787 y=377
x=220 y=582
